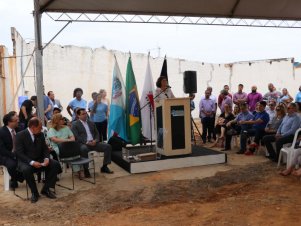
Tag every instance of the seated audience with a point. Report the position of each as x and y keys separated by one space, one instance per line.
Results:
x=33 y=156
x=261 y=119
x=236 y=110
x=59 y=132
x=8 y=146
x=285 y=133
x=221 y=127
x=86 y=134
x=270 y=109
x=234 y=126
x=294 y=156
x=275 y=122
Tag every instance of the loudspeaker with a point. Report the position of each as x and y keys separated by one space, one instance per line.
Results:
x=190 y=84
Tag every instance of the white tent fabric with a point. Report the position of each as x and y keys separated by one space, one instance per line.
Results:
x=253 y=9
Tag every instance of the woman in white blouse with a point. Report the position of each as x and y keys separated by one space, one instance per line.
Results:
x=163 y=90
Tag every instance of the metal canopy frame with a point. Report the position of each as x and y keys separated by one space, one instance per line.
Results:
x=280 y=14
x=159 y=19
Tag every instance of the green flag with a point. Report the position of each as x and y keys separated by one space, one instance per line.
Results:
x=133 y=121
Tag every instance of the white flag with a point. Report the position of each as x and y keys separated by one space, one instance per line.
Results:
x=147 y=103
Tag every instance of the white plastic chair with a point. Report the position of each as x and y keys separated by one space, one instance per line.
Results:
x=5 y=178
x=94 y=154
x=287 y=151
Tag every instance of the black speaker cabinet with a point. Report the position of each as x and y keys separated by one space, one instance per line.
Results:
x=190 y=84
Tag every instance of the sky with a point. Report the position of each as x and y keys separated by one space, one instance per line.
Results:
x=210 y=44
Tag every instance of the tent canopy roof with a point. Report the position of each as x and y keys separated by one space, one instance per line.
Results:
x=253 y=9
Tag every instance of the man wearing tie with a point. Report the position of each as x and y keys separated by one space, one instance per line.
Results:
x=7 y=146
x=33 y=156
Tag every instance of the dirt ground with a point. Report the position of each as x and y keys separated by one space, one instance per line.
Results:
x=246 y=191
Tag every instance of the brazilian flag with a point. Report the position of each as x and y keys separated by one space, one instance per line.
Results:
x=133 y=121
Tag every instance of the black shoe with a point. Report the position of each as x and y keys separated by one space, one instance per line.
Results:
x=34 y=197
x=240 y=152
x=48 y=193
x=13 y=184
x=106 y=169
x=87 y=173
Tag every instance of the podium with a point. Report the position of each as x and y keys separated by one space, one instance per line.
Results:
x=173 y=126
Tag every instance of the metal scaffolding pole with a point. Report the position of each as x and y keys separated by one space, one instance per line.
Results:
x=39 y=60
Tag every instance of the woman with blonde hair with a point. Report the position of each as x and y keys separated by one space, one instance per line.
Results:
x=59 y=133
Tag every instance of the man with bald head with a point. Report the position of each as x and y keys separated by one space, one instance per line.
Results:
x=33 y=156
x=273 y=94
x=253 y=98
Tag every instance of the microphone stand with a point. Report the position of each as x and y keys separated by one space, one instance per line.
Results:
x=150 y=114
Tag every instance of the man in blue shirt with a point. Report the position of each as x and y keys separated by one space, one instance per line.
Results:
x=207 y=109
x=285 y=133
x=298 y=96
x=245 y=115
x=259 y=123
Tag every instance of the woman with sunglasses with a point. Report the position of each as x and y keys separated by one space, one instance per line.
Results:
x=275 y=122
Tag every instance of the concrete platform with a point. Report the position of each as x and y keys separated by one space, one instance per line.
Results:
x=200 y=156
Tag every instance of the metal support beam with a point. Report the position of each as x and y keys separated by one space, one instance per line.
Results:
x=185 y=20
x=57 y=34
x=39 y=60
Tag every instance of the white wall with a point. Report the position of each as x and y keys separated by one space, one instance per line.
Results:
x=68 y=67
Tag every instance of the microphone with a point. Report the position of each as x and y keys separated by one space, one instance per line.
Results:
x=168 y=86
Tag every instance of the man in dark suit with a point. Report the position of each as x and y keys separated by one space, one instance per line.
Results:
x=7 y=146
x=33 y=156
x=87 y=135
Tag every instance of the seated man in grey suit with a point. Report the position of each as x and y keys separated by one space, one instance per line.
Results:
x=33 y=156
x=87 y=135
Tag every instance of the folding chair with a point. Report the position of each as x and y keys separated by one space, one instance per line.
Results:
x=70 y=154
x=39 y=177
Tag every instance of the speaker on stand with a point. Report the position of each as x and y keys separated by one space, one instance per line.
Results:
x=190 y=83
x=190 y=87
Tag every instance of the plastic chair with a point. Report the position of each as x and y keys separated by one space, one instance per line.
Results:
x=70 y=154
x=5 y=178
x=288 y=150
x=93 y=155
